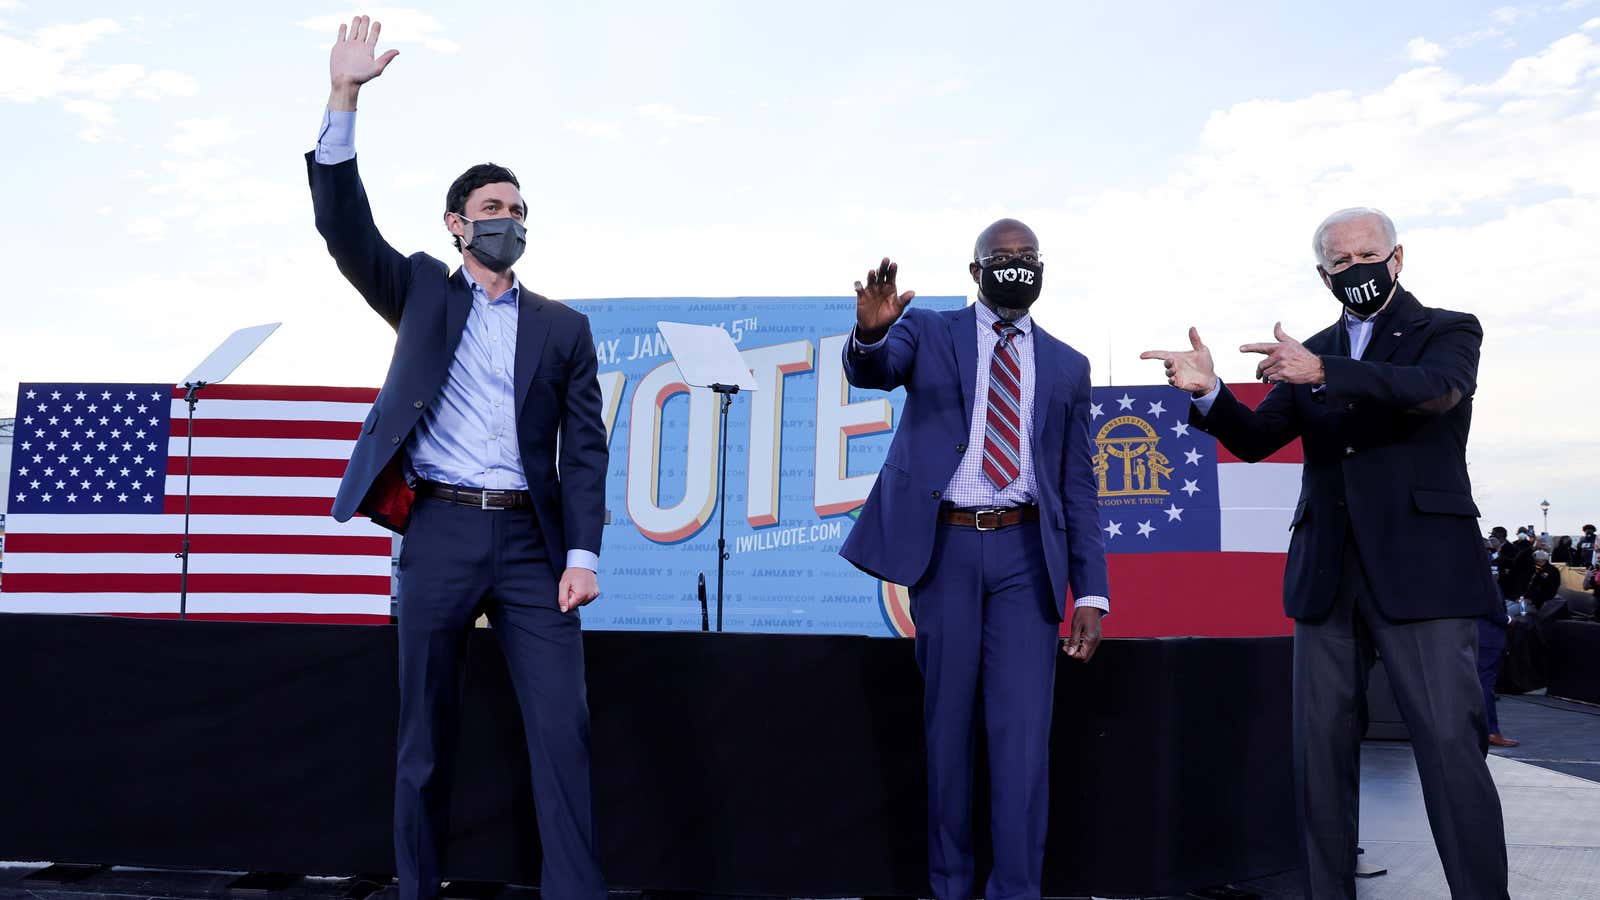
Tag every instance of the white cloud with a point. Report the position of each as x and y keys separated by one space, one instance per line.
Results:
x=668 y=114
x=148 y=229
x=196 y=136
x=50 y=64
x=1422 y=50
x=166 y=83
x=595 y=129
x=401 y=25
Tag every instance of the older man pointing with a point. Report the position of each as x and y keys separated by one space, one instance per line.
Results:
x=1385 y=555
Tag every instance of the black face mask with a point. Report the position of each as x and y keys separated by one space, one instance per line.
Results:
x=497 y=243
x=1364 y=287
x=1013 y=284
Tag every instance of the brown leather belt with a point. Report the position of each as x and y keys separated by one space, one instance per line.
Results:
x=988 y=519
x=482 y=499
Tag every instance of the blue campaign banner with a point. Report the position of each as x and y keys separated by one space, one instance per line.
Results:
x=803 y=451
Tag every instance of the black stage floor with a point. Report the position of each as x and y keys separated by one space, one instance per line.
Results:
x=1552 y=828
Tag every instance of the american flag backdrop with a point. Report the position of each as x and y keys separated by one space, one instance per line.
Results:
x=96 y=499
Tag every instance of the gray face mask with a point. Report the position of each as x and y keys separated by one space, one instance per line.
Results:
x=497 y=243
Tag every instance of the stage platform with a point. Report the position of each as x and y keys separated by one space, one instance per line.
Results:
x=1552 y=829
x=1552 y=814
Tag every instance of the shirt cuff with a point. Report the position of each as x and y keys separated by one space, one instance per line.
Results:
x=1204 y=403
x=856 y=342
x=336 y=142
x=583 y=559
x=1099 y=603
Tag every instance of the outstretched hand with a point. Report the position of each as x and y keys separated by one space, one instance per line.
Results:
x=354 y=60
x=1287 y=360
x=1190 y=370
x=879 y=305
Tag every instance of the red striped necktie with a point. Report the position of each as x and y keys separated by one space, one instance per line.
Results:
x=1002 y=431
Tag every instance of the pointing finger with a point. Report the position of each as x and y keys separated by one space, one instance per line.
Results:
x=1157 y=354
x=1258 y=348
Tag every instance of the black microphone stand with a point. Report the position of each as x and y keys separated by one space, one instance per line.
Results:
x=727 y=391
x=705 y=622
x=191 y=396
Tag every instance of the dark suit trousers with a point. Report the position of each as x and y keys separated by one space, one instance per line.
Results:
x=1432 y=665
x=1491 y=647
x=457 y=561
x=987 y=629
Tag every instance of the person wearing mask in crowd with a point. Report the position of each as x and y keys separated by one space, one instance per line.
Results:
x=1516 y=565
x=1563 y=552
x=1545 y=581
x=1586 y=548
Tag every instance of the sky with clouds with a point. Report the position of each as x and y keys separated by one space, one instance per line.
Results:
x=1174 y=161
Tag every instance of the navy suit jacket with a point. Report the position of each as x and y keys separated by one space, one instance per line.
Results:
x=1385 y=456
x=556 y=391
x=934 y=355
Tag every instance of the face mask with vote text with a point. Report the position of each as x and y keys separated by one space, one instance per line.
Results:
x=1013 y=284
x=1364 y=288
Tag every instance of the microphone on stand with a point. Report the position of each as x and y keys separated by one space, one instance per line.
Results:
x=705 y=615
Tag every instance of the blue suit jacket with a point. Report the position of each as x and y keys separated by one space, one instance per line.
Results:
x=556 y=391
x=934 y=355
x=1385 y=458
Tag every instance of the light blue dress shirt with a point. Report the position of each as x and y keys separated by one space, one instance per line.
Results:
x=467 y=435
x=1360 y=331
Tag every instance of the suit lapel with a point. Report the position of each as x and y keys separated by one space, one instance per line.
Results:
x=1046 y=366
x=532 y=328
x=964 y=334
x=1403 y=319
x=459 y=304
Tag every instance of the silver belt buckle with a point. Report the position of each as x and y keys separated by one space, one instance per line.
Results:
x=978 y=514
x=483 y=499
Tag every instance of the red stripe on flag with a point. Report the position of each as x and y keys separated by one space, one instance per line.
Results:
x=299 y=618
x=283 y=467
x=1197 y=595
x=121 y=583
x=251 y=506
x=306 y=544
x=284 y=392
x=267 y=428
x=1251 y=395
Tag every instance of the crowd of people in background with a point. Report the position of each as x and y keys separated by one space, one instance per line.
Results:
x=1528 y=571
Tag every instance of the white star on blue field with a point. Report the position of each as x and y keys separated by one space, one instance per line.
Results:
x=1140 y=509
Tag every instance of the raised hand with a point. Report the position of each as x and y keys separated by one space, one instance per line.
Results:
x=879 y=304
x=354 y=61
x=1189 y=370
x=1287 y=360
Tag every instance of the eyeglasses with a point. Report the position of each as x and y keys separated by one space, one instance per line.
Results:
x=1000 y=259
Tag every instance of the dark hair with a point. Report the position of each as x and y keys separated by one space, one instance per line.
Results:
x=455 y=199
x=1498 y=531
x=1588 y=528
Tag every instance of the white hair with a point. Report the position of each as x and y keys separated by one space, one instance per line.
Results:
x=1346 y=215
x=1541 y=556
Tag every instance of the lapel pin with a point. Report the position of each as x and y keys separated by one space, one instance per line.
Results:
x=1397 y=334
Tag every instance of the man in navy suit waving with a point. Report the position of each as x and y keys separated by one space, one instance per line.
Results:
x=486 y=448
x=986 y=508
